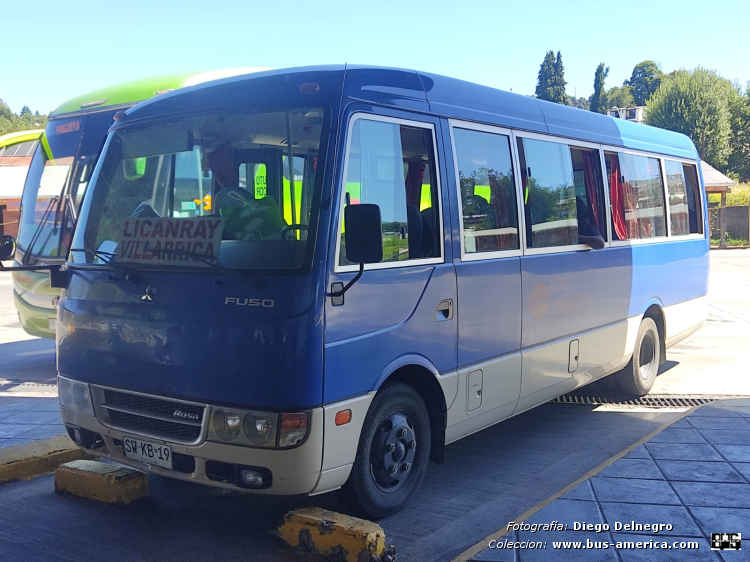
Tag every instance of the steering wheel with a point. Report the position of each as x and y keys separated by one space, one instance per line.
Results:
x=289 y=228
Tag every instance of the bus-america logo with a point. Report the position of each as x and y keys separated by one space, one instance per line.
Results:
x=722 y=541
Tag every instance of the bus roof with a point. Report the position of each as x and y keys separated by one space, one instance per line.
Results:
x=20 y=136
x=134 y=91
x=447 y=97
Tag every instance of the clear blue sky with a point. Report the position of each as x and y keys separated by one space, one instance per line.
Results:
x=54 y=51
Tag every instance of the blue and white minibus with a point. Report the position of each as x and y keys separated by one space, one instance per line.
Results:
x=437 y=274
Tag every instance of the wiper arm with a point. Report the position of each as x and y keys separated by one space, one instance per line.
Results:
x=107 y=258
x=38 y=231
x=203 y=259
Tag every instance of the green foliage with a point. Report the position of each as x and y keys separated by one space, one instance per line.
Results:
x=545 y=78
x=580 y=103
x=598 y=100
x=551 y=82
x=740 y=195
x=10 y=122
x=620 y=97
x=696 y=103
x=739 y=159
x=741 y=242
x=644 y=81
x=558 y=81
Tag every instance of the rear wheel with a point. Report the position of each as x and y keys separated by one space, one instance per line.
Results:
x=393 y=453
x=639 y=375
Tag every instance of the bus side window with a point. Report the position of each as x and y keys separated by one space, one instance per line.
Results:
x=637 y=196
x=392 y=166
x=693 y=192
x=487 y=190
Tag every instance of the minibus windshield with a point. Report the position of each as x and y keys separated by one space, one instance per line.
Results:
x=40 y=231
x=234 y=190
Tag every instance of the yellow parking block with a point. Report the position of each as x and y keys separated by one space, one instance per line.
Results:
x=30 y=460
x=319 y=531
x=103 y=482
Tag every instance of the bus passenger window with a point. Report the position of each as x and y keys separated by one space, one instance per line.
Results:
x=393 y=166
x=637 y=195
x=678 y=202
x=563 y=197
x=693 y=193
x=487 y=189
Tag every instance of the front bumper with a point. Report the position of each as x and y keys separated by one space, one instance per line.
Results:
x=34 y=320
x=294 y=471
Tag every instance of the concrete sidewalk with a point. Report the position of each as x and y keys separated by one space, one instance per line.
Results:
x=694 y=475
x=26 y=419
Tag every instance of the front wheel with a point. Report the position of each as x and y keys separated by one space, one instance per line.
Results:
x=639 y=375
x=393 y=453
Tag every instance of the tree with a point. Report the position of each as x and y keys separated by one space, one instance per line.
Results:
x=546 y=76
x=598 y=100
x=557 y=84
x=739 y=158
x=580 y=103
x=25 y=111
x=10 y=122
x=644 y=81
x=697 y=104
x=620 y=97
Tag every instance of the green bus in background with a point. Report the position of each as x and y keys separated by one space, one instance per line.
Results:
x=56 y=181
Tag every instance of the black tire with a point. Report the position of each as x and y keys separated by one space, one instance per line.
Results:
x=639 y=374
x=397 y=417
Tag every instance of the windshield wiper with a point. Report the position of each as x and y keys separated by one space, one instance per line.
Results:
x=203 y=259
x=107 y=258
x=38 y=231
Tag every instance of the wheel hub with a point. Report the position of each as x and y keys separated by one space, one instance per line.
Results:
x=647 y=364
x=393 y=450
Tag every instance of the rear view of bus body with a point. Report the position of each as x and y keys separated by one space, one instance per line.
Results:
x=457 y=295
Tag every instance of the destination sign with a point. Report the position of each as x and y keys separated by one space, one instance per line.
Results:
x=150 y=240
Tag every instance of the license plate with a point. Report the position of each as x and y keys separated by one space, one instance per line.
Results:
x=52 y=324
x=149 y=452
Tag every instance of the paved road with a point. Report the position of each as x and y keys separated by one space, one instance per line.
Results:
x=487 y=480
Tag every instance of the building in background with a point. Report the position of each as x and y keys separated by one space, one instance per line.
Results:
x=16 y=151
x=635 y=114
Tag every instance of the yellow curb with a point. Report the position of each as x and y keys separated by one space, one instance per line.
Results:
x=23 y=462
x=327 y=533
x=102 y=482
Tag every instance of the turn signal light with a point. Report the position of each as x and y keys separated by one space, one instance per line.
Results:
x=343 y=417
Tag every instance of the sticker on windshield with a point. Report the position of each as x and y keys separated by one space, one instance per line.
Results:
x=184 y=242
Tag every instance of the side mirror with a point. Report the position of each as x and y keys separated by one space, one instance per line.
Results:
x=8 y=247
x=364 y=233
x=364 y=243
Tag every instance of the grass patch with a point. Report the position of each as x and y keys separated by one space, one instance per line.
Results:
x=731 y=242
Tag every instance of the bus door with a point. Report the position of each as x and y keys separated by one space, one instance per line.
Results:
x=489 y=279
x=402 y=310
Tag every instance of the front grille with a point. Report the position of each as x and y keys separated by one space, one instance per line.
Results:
x=148 y=404
x=150 y=426
x=150 y=416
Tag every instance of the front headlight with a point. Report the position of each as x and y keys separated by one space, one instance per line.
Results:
x=74 y=395
x=259 y=429
x=226 y=424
